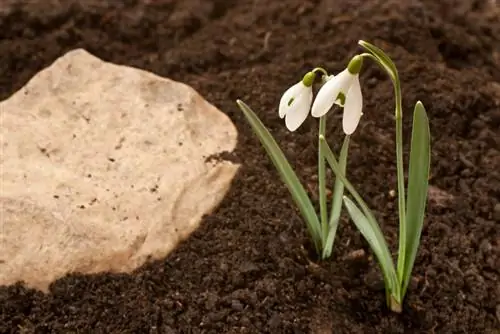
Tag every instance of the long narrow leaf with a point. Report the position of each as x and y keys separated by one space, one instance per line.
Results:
x=417 y=188
x=286 y=172
x=377 y=244
x=338 y=194
x=385 y=258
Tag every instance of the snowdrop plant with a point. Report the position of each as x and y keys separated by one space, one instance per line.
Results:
x=345 y=91
x=411 y=204
x=294 y=107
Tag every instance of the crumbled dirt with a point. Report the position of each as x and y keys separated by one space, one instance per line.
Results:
x=247 y=269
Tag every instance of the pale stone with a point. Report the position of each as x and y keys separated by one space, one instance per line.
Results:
x=103 y=166
x=440 y=197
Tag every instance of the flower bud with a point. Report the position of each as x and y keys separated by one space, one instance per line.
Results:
x=308 y=79
x=355 y=64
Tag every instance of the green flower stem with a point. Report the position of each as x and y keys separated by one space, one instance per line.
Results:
x=322 y=183
x=411 y=206
x=386 y=63
x=320 y=69
x=401 y=178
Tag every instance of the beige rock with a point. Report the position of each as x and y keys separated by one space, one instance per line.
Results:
x=103 y=166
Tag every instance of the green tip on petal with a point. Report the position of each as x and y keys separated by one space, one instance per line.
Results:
x=355 y=64
x=340 y=101
x=308 y=79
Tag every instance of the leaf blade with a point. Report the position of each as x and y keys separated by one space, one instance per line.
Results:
x=338 y=194
x=386 y=259
x=418 y=184
x=286 y=172
x=376 y=241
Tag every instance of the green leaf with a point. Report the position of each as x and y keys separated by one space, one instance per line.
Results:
x=338 y=194
x=418 y=181
x=286 y=172
x=371 y=228
x=377 y=243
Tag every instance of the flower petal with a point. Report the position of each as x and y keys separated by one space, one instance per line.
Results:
x=353 y=108
x=296 y=116
x=289 y=94
x=327 y=95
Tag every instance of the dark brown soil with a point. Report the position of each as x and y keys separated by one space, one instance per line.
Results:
x=246 y=270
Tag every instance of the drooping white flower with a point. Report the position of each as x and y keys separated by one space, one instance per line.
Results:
x=296 y=102
x=346 y=83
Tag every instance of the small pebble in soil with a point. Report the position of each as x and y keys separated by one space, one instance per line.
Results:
x=274 y=321
x=248 y=267
x=223 y=266
x=355 y=255
x=211 y=301
x=374 y=280
x=496 y=212
x=415 y=282
x=237 y=305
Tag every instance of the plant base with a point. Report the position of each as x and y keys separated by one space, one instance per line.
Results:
x=394 y=305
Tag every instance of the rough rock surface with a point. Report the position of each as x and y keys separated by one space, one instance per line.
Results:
x=102 y=167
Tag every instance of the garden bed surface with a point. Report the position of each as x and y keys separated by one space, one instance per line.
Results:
x=248 y=268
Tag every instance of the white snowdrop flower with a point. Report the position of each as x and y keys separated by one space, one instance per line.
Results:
x=345 y=86
x=296 y=102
